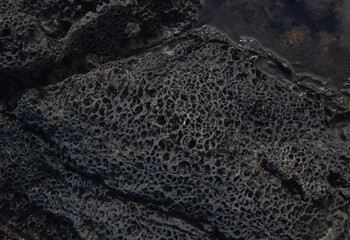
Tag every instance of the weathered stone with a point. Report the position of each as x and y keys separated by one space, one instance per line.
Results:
x=44 y=42
x=189 y=140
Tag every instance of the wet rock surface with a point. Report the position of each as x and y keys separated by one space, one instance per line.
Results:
x=314 y=35
x=187 y=139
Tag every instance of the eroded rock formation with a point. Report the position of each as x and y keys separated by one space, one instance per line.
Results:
x=188 y=139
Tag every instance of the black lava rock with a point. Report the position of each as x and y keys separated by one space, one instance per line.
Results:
x=44 y=42
x=180 y=137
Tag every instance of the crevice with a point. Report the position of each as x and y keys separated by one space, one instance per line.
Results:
x=292 y=186
x=217 y=235
x=289 y=184
x=149 y=203
x=125 y=197
x=13 y=230
x=335 y=180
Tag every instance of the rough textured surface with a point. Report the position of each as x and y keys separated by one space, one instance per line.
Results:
x=158 y=134
x=44 y=42
x=187 y=141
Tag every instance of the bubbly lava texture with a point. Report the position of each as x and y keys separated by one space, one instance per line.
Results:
x=189 y=140
x=151 y=133
x=44 y=42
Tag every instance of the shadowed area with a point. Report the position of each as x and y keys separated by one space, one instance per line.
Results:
x=312 y=35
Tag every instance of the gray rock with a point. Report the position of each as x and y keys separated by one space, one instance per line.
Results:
x=44 y=42
x=189 y=140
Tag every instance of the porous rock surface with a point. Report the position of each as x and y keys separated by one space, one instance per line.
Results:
x=43 y=42
x=187 y=140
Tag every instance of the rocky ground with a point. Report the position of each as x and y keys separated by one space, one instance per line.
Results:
x=119 y=122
